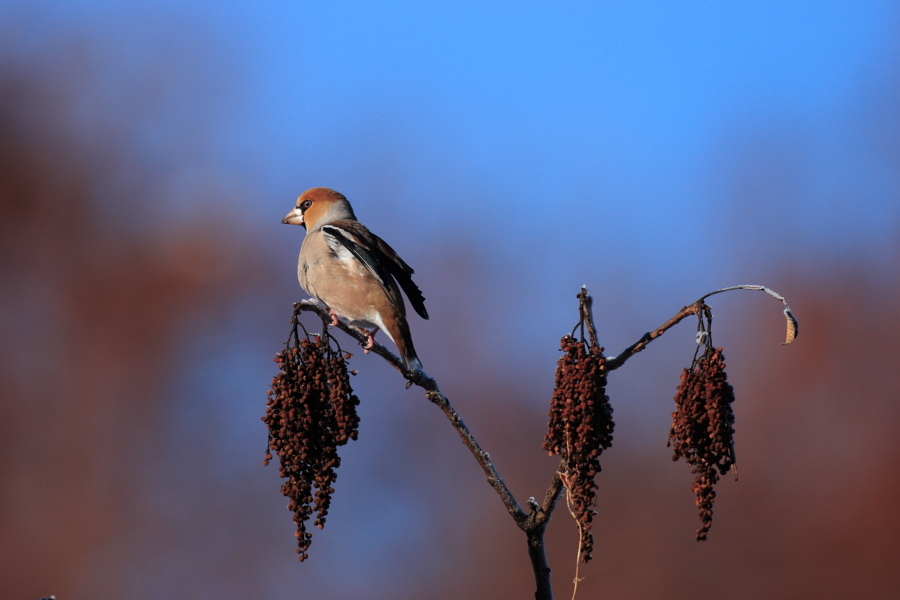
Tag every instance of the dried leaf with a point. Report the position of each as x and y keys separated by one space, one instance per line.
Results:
x=793 y=326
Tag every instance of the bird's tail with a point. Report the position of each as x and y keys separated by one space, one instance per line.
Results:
x=404 y=342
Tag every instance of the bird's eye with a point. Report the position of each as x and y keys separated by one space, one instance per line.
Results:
x=305 y=204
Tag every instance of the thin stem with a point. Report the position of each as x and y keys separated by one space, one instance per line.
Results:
x=421 y=379
x=793 y=327
x=586 y=308
x=580 y=525
x=483 y=458
x=614 y=362
x=552 y=495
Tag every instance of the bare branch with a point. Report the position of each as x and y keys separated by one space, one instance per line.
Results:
x=552 y=495
x=793 y=326
x=538 y=555
x=614 y=362
x=421 y=379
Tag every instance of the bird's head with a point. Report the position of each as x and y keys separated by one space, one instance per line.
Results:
x=319 y=206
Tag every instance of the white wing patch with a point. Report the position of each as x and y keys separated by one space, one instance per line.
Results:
x=336 y=246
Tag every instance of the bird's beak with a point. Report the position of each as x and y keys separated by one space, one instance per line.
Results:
x=295 y=217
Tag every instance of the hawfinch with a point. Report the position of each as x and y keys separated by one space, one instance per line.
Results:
x=353 y=272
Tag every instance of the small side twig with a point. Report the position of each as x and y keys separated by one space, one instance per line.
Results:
x=614 y=362
x=586 y=307
x=793 y=327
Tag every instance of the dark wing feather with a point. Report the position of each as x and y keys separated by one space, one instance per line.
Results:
x=367 y=258
x=380 y=259
x=402 y=272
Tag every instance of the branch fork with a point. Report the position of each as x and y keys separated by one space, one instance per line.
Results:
x=533 y=522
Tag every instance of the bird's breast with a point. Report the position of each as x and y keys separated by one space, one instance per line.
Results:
x=343 y=283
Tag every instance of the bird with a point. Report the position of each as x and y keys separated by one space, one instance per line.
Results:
x=353 y=272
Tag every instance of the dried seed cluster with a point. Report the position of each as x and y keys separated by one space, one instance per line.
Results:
x=580 y=427
x=311 y=411
x=702 y=429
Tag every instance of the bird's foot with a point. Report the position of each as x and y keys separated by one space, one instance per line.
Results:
x=370 y=338
x=334 y=317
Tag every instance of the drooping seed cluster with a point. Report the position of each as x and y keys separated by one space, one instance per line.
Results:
x=702 y=429
x=580 y=427
x=311 y=411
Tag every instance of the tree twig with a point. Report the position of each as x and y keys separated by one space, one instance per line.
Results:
x=535 y=521
x=433 y=393
x=614 y=362
x=793 y=327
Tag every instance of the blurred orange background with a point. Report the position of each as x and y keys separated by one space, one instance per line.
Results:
x=148 y=154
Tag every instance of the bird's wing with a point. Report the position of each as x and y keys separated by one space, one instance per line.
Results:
x=402 y=272
x=379 y=258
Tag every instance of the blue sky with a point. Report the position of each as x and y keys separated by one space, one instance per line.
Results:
x=565 y=116
x=547 y=115
x=617 y=145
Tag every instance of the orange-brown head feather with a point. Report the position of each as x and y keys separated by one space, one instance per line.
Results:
x=319 y=206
